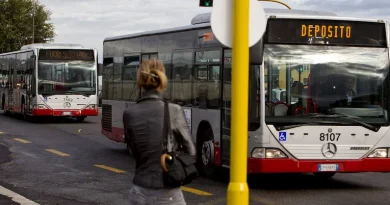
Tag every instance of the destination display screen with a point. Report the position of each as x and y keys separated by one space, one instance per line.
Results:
x=332 y=32
x=66 y=54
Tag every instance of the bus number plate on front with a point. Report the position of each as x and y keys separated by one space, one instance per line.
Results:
x=66 y=113
x=328 y=167
x=333 y=137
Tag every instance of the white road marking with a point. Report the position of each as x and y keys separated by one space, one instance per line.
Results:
x=16 y=197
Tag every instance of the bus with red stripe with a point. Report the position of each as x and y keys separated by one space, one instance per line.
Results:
x=43 y=80
x=318 y=91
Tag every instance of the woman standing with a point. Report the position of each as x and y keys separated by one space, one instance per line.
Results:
x=143 y=126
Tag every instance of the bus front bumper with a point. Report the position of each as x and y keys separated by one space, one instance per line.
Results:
x=256 y=165
x=65 y=113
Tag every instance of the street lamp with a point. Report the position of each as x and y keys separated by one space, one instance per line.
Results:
x=33 y=17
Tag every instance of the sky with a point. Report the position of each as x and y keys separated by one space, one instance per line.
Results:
x=88 y=22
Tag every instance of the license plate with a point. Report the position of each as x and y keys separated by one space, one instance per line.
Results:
x=328 y=167
x=66 y=113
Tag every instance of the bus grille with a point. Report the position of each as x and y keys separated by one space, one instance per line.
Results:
x=107 y=117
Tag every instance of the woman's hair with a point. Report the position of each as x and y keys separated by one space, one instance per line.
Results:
x=151 y=75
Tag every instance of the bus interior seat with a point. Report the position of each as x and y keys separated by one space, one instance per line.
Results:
x=269 y=108
x=280 y=109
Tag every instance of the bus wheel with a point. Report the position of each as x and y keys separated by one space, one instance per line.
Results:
x=324 y=175
x=207 y=166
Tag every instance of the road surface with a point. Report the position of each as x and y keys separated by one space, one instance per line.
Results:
x=65 y=162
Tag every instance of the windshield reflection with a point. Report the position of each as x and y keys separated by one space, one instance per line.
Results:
x=306 y=79
x=66 y=77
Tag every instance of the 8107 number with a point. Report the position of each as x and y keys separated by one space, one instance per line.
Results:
x=330 y=136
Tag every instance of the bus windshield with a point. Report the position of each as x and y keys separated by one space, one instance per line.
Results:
x=326 y=80
x=66 y=77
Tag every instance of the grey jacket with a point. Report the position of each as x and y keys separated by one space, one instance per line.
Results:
x=143 y=126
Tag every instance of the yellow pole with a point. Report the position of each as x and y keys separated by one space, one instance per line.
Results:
x=238 y=192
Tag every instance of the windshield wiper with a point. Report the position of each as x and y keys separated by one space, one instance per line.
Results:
x=356 y=119
x=338 y=115
x=79 y=93
x=349 y=117
x=278 y=128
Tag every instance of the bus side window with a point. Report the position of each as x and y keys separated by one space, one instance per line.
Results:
x=207 y=84
x=182 y=66
x=107 y=79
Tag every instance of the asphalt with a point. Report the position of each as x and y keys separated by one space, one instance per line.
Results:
x=7 y=200
x=75 y=174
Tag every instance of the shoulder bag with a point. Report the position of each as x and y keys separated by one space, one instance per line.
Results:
x=178 y=167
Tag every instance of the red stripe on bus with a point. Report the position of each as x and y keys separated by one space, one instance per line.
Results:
x=116 y=134
x=309 y=166
x=60 y=112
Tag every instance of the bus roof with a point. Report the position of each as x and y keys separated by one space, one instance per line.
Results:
x=205 y=17
x=31 y=47
x=203 y=21
x=51 y=45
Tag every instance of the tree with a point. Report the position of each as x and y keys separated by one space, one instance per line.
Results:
x=17 y=18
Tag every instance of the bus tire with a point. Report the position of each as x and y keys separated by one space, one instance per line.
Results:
x=205 y=153
x=324 y=175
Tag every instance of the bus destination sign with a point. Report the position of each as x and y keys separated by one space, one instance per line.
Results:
x=333 y=32
x=326 y=31
x=66 y=54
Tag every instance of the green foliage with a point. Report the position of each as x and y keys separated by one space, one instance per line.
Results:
x=16 y=24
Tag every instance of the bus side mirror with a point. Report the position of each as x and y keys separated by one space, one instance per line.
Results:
x=33 y=56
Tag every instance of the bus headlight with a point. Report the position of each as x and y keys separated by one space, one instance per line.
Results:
x=388 y=152
x=258 y=153
x=91 y=107
x=379 y=153
x=268 y=153
x=40 y=106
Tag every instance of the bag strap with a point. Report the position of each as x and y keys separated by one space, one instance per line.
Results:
x=167 y=135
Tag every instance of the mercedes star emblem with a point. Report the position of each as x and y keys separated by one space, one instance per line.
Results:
x=329 y=150
x=67 y=104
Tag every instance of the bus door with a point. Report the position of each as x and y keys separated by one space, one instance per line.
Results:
x=29 y=82
x=5 y=84
x=12 y=85
x=17 y=89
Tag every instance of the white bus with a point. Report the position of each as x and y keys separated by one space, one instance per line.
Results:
x=332 y=118
x=49 y=80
